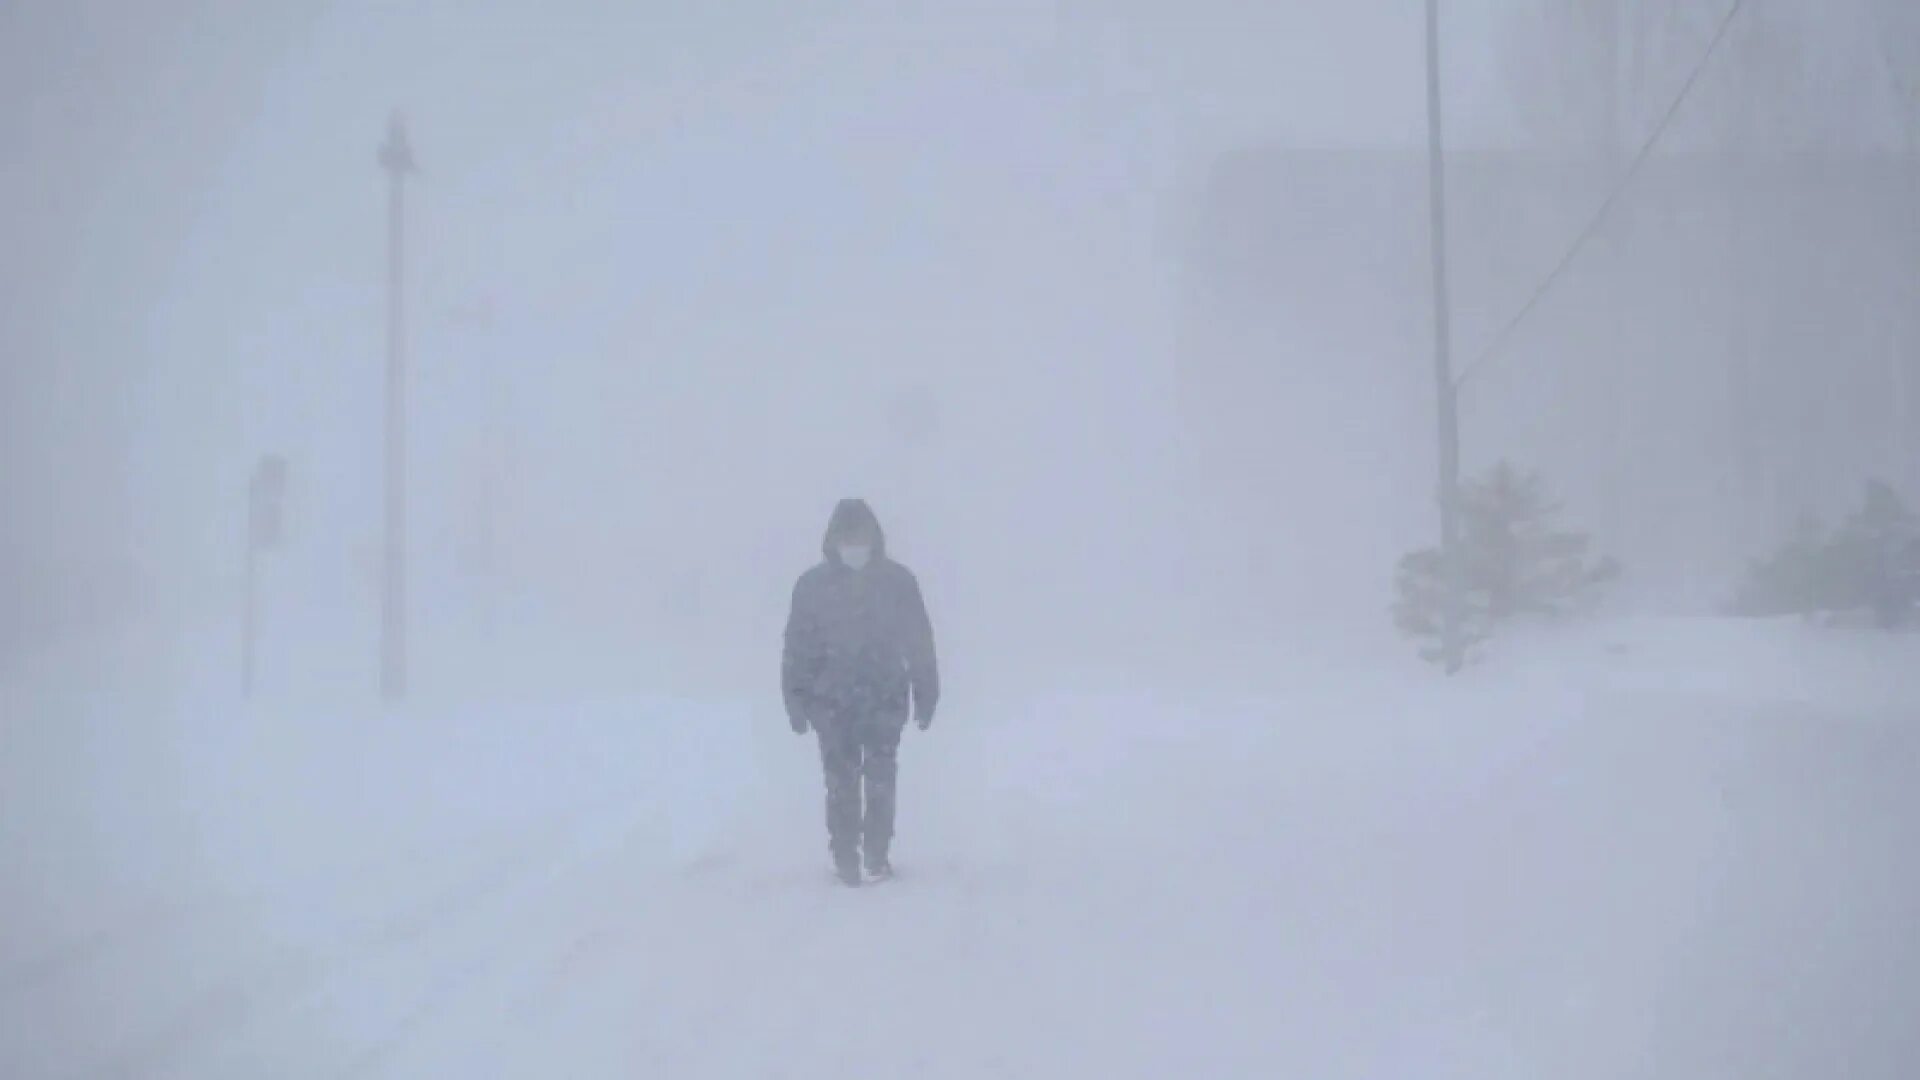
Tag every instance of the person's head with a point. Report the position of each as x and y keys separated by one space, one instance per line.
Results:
x=854 y=539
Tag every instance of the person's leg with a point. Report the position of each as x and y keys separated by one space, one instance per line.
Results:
x=879 y=768
x=840 y=763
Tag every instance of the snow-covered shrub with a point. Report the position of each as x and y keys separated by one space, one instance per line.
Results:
x=1515 y=560
x=1869 y=565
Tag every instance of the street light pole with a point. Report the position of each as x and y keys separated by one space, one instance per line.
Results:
x=396 y=158
x=1446 y=393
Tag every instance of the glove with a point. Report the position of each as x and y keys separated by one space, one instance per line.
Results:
x=923 y=715
x=798 y=722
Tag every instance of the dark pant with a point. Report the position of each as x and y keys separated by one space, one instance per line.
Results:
x=854 y=753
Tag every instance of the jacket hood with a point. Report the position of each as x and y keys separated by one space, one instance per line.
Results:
x=853 y=518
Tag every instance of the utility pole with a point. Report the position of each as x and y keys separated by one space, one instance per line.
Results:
x=266 y=526
x=396 y=158
x=249 y=623
x=1446 y=393
x=1900 y=358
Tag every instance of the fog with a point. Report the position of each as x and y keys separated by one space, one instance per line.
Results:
x=1121 y=316
x=678 y=279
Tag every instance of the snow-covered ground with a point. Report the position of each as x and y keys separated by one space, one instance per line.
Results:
x=1667 y=849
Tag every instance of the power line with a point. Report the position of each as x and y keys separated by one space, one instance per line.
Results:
x=1600 y=216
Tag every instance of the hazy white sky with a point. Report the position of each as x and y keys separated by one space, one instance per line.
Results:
x=662 y=233
x=693 y=261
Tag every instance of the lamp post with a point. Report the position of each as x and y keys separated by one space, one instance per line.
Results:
x=396 y=158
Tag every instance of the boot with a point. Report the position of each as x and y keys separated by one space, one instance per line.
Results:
x=847 y=869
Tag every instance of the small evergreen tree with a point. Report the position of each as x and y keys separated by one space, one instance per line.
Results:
x=1797 y=579
x=1515 y=560
x=1870 y=564
x=1421 y=582
x=1875 y=552
x=1516 y=557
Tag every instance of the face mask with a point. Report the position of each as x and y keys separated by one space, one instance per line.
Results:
x=855 y=556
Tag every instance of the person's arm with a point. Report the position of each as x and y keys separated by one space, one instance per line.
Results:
x=799 y=660
x=923 y=666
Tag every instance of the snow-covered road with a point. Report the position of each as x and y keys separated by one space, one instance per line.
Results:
x=1344 y=876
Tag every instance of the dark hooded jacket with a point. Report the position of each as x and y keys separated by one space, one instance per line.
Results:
x=859 y=645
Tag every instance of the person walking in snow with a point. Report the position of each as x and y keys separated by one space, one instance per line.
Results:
x=858 y=661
